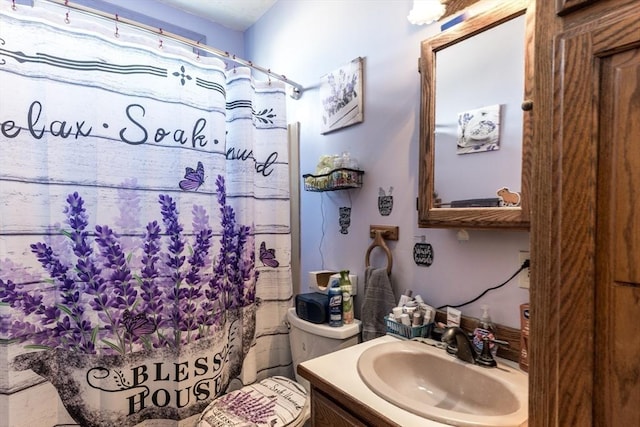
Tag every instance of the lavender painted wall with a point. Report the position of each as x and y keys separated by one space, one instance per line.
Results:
x=306 y=39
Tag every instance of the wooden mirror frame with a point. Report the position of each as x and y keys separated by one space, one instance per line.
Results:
x=430 y=216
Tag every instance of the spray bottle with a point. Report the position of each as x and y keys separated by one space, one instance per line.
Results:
x=347 y=299
x=335 y=305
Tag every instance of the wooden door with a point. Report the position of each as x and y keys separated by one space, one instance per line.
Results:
x=585 y=295
x=617 y=344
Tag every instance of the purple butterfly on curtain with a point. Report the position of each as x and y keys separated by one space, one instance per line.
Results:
x=193 y=179
x=137 y=325
x=268 y=256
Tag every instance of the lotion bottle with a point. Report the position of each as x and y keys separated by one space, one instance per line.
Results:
x=485 y=329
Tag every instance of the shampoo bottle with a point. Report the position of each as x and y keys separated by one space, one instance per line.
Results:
x=485 y=329
x=347 y=299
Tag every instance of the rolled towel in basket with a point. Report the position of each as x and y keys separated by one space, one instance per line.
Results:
x=379 y=299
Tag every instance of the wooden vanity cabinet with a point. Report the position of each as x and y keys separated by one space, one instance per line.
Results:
x=585 y=234
x=327 y=413
x=330 y=407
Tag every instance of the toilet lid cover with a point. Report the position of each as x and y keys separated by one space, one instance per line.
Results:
x=274 y=401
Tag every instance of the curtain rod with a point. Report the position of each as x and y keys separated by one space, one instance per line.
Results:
x=297 y=88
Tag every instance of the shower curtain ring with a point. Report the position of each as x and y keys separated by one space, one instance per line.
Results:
x=66 y=16
x=160 y=40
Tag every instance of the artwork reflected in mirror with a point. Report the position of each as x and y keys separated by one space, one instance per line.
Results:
x=479 y=130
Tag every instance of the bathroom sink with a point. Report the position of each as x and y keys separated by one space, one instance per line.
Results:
x=427 y=381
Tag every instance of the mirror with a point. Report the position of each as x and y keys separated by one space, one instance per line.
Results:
x=476 y=119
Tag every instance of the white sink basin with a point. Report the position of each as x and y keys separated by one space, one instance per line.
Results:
x=433 y=384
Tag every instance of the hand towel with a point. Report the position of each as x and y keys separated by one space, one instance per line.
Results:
x=379 y=299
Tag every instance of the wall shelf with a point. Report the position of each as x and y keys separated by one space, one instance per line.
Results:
x=337 y=179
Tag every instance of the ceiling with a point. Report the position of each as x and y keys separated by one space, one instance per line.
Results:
x=234 y=14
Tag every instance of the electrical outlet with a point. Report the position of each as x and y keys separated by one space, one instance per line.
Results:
x=523 y=277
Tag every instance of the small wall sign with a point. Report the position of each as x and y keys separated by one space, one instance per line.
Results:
x=423 y=254
x=385 y=202
x=344 y=219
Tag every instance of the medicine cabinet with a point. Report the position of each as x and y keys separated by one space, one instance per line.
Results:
x=476 y=119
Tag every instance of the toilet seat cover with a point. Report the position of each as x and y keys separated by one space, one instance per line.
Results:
x=275 y=401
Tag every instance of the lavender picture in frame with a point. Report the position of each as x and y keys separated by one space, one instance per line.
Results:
x=479 y=130
x=341 y=97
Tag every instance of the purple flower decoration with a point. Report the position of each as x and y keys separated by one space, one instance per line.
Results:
x=102 y=295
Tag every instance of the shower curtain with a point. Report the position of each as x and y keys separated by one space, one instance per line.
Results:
x=144 y=224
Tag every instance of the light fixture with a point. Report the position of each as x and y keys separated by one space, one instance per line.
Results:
x=426 y=11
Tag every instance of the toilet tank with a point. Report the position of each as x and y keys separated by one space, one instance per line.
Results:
x=309 y=340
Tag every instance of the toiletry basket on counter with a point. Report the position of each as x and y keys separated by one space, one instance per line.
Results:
x=401 y=330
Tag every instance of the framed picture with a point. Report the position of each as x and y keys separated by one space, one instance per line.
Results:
x=479 y=130
x=341 y=96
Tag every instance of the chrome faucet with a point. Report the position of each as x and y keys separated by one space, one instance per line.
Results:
x=456 y=338
x=464 y=350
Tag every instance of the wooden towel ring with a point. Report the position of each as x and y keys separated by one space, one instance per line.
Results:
x=379 y=241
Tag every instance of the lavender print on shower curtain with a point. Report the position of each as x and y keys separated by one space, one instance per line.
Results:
x=134 y=181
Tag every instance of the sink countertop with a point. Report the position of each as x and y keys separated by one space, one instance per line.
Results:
x=340 y=368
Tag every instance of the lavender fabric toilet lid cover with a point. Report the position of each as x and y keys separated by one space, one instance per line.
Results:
x=273 y=402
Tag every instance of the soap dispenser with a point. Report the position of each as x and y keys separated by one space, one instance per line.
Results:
x=485 y=333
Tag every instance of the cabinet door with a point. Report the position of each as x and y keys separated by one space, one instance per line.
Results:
x=618 y=241
x=585 y=369
x=325 y=413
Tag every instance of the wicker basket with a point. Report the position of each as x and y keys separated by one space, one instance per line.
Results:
x=338 y=179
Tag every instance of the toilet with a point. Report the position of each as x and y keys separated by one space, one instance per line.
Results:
x=280 y=401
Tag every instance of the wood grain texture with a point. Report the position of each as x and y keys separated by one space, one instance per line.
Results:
x=564 y=7
x=624 y=188
x=543 y=341
x=576 y=170
x=326 y=413
x=617 y=281
x=573 y=317
x=455 y=6
x=355 y=407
